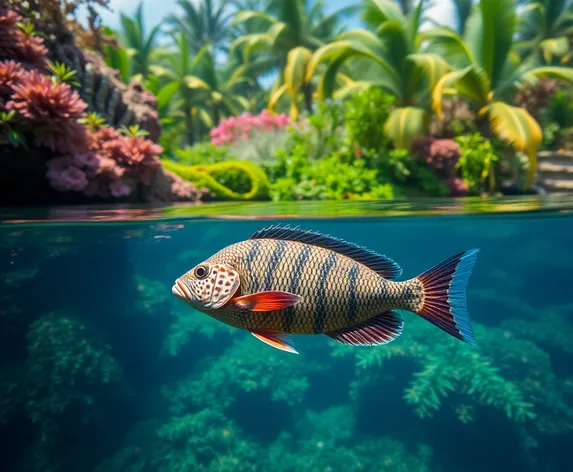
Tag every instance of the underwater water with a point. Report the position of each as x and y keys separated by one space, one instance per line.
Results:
x=103 y=369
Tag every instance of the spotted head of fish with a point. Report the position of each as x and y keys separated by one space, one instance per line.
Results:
x=207 y=286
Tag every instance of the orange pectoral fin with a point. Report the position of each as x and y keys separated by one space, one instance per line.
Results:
x=275 y=339
x=266 y=301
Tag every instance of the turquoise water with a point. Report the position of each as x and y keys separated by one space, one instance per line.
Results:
x=103 y=369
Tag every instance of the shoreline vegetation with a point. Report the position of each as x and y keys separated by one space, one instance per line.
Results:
x=399 y=109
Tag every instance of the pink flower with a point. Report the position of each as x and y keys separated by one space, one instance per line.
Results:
x=458 y=187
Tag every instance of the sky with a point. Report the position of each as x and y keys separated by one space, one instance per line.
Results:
x=155 y=10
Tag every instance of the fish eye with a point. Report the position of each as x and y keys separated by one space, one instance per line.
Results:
x=201 y=272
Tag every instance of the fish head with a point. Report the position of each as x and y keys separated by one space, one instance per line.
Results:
x=207 y=286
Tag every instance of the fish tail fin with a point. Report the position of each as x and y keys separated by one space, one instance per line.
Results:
x=444 y=303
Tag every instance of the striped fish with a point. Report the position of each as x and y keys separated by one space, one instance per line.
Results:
x=284 y=281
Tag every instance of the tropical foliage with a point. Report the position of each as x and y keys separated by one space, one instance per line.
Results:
x=379 y=99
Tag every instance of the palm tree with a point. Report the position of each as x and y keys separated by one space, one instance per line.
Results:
x=219 y=95
x=205 y=23
x=178 y=73
x=489 y=73
x=399 y=66
x=294 y=29
x=141 y=48
x=194 y=89
x=546 y=26
x=255 y=68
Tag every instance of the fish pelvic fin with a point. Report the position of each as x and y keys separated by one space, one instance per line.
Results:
x=282 y=341
x=444 y=295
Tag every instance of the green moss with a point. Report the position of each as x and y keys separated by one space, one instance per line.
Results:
x=232 y=180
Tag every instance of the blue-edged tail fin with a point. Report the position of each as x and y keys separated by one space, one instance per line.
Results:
x=445 y=295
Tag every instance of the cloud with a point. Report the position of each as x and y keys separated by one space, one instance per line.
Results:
x=443 y=12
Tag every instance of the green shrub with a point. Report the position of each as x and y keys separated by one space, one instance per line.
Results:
x=365 y=114
x=477 y=162
x=557 y=122
x=296 y=177
x=231 y=180
x=202 y=153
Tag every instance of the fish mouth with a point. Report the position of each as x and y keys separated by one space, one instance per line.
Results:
x=180 y=290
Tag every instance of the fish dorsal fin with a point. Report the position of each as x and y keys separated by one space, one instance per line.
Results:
x=382 y=265
x=380 y=329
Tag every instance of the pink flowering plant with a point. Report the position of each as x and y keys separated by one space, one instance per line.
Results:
x=111 y=166
x=244 y=127
x=252 y=137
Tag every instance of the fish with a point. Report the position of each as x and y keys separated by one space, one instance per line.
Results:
x=284 y=281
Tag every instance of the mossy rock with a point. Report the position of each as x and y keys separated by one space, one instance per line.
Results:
x=231 y=180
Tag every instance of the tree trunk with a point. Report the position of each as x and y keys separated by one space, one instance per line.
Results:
x=189 y=125
x=307 y=92
x=216 y=114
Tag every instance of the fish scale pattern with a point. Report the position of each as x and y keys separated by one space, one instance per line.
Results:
x=337 y=292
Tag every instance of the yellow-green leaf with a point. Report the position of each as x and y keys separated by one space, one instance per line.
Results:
x=433 y=65
x=471 y=82
x=554 y=47
x=246 y=15
x=295 y=70
x=406 y=124
x=276 y=97
x=516 y=126
x=353 y=86
x=323 y=53
x=193 y=82
x=561 y=73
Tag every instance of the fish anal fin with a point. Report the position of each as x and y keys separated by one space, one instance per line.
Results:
x=275 y=339
x=380 y=329
x=265 y=301
x=382 y=265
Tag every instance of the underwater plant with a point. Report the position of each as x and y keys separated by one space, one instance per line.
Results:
x=446 y=367
x=241 y=369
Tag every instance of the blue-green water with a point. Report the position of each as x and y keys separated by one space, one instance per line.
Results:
x=103 y=369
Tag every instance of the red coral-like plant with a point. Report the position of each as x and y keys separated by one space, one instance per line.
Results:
x=52 y=109
x=18 y=43
x=113 y=166
x=11 y=74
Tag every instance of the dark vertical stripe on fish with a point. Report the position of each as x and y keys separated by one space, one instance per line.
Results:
x=352 y=302
x=301 y=261
x=274 y=262
x=320 y=305
x=254 y=252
